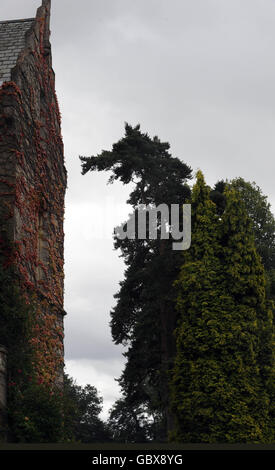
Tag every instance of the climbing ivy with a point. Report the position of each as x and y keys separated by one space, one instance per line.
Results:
x=34 y=412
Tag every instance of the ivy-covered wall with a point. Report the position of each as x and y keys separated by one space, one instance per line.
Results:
x=32 y=189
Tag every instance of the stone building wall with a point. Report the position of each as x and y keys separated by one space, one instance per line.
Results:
x=32 y=189
x=3 y=390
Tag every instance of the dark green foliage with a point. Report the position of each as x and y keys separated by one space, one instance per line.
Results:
x=218 y=197
x=16 y=320
x=129 y=423
x=259 y=210
x=263 y=222
x=147 y=328
x=82 y=406
x=222 y=381
x=35 y=411
x=158 y=177
x=144 y=316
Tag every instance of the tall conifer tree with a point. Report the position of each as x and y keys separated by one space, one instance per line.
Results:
x=144 y=316
x=222 y=379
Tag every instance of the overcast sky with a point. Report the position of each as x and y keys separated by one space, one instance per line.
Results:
x=200 y=74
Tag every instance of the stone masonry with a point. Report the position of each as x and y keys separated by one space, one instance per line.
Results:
x=33 y=183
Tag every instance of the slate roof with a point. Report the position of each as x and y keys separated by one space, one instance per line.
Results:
x=12 y=41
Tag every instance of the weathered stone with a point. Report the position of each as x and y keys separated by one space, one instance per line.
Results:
x=33 y=177
x=3 y=391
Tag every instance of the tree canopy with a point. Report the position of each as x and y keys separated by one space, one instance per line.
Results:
x=197 y=325
x=221 y=382
x=144 y=316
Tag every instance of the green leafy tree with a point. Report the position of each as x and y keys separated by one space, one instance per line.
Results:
x=136 y=158
x=82 y=407
x=35 y=413
x=263 y=222
x=129 y=423
x=222 y=379
x=144 y=316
